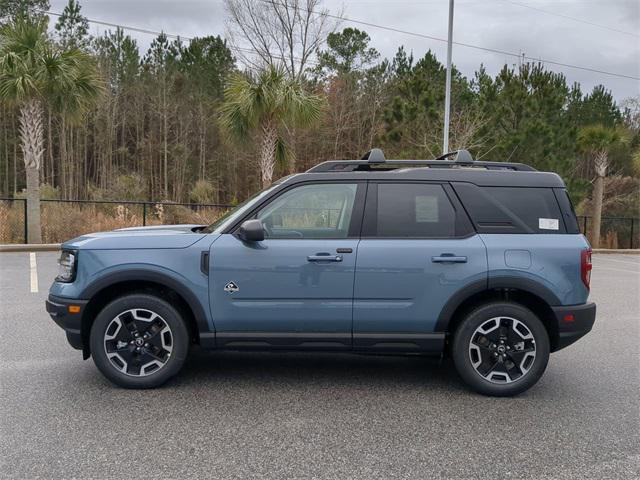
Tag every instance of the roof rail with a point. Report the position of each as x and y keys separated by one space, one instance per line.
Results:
x=374 y=160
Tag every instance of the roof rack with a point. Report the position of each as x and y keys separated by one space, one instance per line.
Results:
x=375 y=155
x=374 y=160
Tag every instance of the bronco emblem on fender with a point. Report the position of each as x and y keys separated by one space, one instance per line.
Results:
x=231 y=287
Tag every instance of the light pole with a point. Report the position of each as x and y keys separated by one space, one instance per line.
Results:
x=447 y=95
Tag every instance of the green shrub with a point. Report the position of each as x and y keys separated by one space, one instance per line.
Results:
x=128 y=187
x=202 y=192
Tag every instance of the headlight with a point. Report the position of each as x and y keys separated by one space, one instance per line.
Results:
x=66 y=267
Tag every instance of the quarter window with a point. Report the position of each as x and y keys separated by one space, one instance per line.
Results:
x=537 y=208
x=414 y=210
x=310 y=211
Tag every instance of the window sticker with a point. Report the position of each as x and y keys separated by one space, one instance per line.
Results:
x=426 y=209
x=548 y=224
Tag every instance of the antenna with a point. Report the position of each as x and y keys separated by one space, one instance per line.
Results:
x=459 y=156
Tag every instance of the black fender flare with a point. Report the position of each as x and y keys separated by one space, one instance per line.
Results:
x=493 y=283
x=161 y=278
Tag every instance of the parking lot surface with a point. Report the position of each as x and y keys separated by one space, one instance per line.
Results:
x=287 y=415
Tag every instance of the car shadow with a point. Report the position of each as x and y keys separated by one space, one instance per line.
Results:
x=314 y=368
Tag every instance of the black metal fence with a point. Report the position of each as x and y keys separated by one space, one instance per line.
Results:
x=615 y=232
x=13 y=220
x=63 y=219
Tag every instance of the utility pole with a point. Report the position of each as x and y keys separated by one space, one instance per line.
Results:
x=447 y=96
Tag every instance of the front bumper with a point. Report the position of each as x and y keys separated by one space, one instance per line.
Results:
x=58 y=309
x=574 y=322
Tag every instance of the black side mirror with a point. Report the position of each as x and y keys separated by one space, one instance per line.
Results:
x=251 y=231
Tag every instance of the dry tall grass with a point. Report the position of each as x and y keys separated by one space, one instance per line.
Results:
x=63 y=221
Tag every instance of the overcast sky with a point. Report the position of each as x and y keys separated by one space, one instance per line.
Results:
x=506 y=25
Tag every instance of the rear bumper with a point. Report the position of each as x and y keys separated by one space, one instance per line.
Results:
x=574 y=322
x=58 y=309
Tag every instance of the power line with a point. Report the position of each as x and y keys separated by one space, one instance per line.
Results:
x=168 y=35
x=569 y=17
x=373 y=25
x=125 y=27
x=461 y=44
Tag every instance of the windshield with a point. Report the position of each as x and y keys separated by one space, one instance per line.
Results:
x=233 y=214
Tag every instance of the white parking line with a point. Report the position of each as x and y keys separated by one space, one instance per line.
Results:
x=34 y=272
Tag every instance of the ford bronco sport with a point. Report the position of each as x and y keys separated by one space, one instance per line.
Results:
x=482 y=261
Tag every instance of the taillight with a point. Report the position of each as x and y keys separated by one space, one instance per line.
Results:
x=585 y=267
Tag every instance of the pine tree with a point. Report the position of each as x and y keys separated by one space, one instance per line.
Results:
x=73 y=28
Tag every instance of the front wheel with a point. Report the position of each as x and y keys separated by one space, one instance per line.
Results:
x=501 y=349
x=139 y=341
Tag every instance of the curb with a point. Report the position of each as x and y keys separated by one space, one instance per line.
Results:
x=22 y=247
x=627 y=251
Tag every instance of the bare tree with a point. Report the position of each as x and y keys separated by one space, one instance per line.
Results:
x=267 y=32
x=464 y=129
x=631 y=111
x=463 y=133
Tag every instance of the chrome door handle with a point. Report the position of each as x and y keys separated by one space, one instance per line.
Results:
x=449 y=258
x=324 y=258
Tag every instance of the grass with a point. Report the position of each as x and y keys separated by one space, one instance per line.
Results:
x=63 y=221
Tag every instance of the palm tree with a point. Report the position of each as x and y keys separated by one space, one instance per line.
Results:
x=271 y=104
x=35 y=73
x=596 y=141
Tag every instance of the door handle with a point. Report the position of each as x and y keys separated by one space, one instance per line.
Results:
x=324 y=257
x=449 y=258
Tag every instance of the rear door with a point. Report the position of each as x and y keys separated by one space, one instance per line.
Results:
x=417 y=249
x=532 y=239
x=295 y=288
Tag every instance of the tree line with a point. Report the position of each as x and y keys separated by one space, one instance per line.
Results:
x=212 y=119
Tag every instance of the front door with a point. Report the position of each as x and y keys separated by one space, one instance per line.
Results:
x=295 y=288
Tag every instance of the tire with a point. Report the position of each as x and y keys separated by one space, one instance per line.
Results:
x=501 y=349
x=139 y=341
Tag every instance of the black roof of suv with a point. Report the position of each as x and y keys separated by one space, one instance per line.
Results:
x=374 y=166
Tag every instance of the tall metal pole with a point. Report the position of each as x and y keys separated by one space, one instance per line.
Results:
x=447 y=97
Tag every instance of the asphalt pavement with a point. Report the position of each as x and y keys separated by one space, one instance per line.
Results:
x=333 y=416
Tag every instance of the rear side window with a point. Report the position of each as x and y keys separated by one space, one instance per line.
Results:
x=512 y=209
x=411 y=210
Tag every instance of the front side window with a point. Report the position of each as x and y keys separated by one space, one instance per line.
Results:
x=232 y=215
x=310 y=211
x=414 y=210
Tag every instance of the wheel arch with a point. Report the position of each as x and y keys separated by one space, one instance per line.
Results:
x=527 y=293
x=108 y=288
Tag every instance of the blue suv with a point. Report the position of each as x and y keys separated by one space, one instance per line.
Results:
x=480 y=261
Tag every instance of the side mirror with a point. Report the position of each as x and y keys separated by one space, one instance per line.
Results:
x=251 y=231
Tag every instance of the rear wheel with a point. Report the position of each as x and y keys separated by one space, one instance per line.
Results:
x=501 y=349
x=139 y=341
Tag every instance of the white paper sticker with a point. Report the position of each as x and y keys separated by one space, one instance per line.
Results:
x=548 y=224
